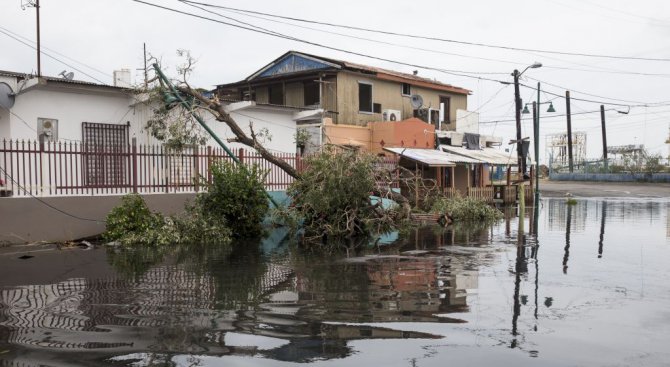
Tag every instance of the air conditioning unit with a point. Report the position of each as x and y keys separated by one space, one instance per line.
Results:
x=391 y=115
x=47 y=130
x=428 y=115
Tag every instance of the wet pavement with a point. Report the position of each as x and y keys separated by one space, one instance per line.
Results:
x=578 y=285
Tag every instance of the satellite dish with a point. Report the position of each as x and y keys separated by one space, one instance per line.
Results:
x=6 y=96
x=67 y=76
x=417 y=100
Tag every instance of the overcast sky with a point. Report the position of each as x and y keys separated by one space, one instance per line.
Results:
x=99 y=36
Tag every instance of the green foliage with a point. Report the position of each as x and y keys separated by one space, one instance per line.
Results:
x=133 y=223
x=332 y=198
x=571 y=201
x=301 y=137
x=236 y=194
x=465 y=209
x=234 y=199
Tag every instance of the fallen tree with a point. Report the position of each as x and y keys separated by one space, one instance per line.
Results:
x=334 y=199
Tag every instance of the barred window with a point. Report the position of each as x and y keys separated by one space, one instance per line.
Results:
x=105 y=154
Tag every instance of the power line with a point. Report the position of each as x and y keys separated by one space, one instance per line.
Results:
x=280 y=35
x=53 y=57
x=283 y=36
x=364 y=39
x=22 y=188
x=432 y=38
x=589 y=94
x=56 y=52
x=604 y=70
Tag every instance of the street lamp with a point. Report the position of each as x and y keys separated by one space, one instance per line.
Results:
x=536 y=133
x=517 y=101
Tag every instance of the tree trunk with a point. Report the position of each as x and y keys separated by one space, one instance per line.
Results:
x=221 y=115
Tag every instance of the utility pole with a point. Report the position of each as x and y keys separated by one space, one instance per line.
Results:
x=602 y=122
x=536 y=133
x=567 y=113
x=517 y=108
x=146 y=72
x=35 y=4
x=39 y=64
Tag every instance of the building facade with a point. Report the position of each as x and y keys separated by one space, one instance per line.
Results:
x=350 y=93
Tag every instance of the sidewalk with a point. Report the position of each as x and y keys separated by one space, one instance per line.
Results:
x=604 y=189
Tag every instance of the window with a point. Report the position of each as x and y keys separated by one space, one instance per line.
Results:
x=276 y=94
x=312 y=93
x=105 y=154
x=447 y=108
x=364 y=97
x=377 y=107
x=406 y=89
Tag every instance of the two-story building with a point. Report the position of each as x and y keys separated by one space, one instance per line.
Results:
x=350 y=93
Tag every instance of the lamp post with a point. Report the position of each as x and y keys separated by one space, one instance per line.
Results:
x=536 y=133
x=517 y=102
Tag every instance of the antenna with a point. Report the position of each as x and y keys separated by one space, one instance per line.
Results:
x=416 y=100
x=67 y=76
x=6 y=96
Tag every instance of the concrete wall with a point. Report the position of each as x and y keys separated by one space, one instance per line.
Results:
x=73 y=104
x=347 y=135
x=71 y=107
x=278 y=120
x=389 y=94
x=26 y=220
x=611 y=177
x=411 y=133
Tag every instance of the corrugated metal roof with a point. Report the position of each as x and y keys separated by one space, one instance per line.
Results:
x=486 y=155
x=60 y=80
x=380 y=72
x=431 y=157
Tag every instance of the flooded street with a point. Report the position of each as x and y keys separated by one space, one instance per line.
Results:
x=584 y=285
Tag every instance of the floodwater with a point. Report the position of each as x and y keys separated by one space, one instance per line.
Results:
x=582 y=285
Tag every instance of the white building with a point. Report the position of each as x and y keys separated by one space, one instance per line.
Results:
x=62 y=110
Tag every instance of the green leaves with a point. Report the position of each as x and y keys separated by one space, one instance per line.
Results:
x=332 y=198
x=236 y=194
x=465 y=209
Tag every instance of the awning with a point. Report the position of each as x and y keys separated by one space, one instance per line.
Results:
x=431 y=157
x=486 y=155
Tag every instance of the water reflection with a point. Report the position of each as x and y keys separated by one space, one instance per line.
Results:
x=566 y=249
x=603 y=218
x=275 y=301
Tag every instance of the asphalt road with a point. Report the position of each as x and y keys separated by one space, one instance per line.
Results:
x=604 y=189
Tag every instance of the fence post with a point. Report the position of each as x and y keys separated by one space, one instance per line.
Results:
x=134 y=158
x=240 y=155
x=41 y=167
x=209 y=164
x=196 y=164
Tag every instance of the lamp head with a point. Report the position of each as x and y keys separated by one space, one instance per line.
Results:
x=551 y=108
x=525 y=110
x=536 y=65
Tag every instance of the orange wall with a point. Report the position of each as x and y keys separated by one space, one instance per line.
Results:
x=410 y=133
x=347 y=135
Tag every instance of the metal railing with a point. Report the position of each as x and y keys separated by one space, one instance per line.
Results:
x=72 y=168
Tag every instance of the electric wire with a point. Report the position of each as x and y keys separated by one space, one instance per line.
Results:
x=22 y=188
x=53 y=57
x=433 y=38
x=291 y=38
x=279 y=35
x=56 y=52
